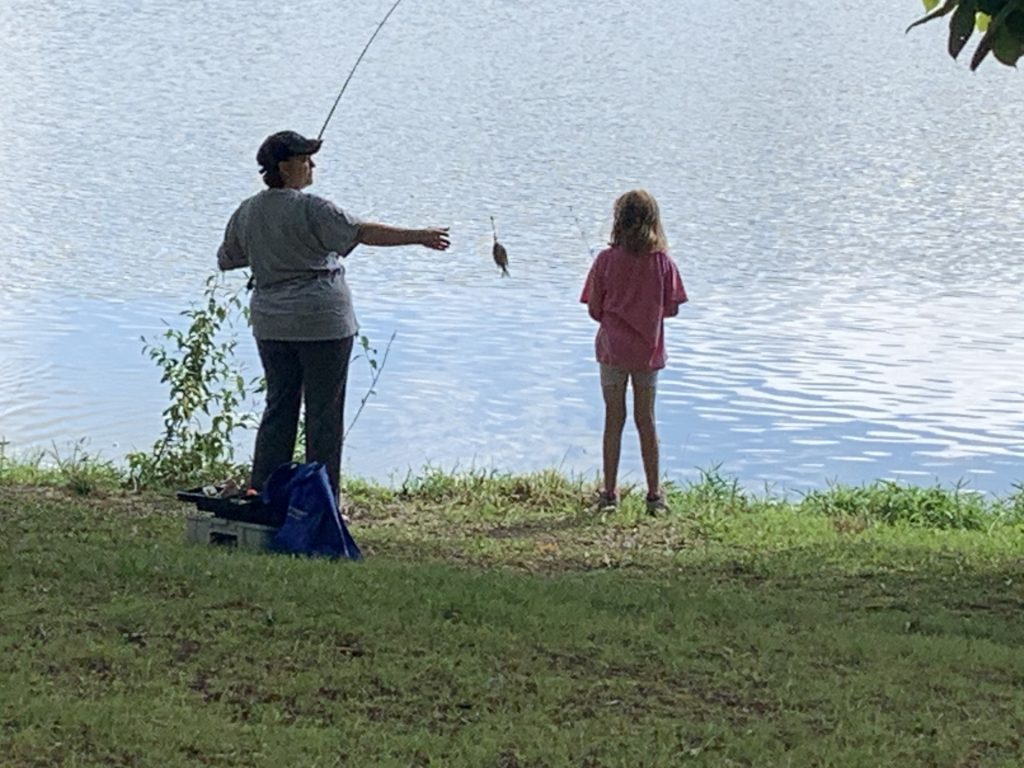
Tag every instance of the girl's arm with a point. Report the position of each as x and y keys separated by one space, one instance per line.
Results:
x=595 y=299
x=675 y=293
x=593 y=290
x=435 y=238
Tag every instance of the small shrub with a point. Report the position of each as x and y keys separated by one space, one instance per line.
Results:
x=207 y=392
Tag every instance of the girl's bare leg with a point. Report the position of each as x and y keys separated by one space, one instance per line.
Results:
x=643 y=415
x=614 y=421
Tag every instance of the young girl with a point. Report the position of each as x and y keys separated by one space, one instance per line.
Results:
x=631 y=288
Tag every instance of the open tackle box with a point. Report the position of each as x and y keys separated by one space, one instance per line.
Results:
x=229 y=518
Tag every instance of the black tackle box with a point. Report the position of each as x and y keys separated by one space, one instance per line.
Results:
x=245 y=509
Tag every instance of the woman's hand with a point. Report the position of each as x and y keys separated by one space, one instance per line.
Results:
x=435 y=238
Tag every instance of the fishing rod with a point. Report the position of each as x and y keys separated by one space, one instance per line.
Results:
x=353 y=70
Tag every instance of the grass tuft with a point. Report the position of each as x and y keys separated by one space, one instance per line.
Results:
x=893 y=503
x=79 y=471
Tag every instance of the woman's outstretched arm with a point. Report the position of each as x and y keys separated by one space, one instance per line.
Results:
x=435 y=238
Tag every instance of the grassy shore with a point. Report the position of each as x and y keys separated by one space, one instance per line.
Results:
x=495 y=622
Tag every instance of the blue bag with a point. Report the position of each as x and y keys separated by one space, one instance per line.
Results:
x=312 y=524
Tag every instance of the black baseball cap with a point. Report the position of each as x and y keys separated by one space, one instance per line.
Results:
x=282 y=145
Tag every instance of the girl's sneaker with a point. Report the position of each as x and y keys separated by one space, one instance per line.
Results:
x=606 y=502
x=656 y=505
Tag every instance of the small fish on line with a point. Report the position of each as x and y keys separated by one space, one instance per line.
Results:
x=499 y=252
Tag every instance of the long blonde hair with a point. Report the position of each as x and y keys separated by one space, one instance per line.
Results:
x=637 y=227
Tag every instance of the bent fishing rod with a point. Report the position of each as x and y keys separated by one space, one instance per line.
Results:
x=353 y=70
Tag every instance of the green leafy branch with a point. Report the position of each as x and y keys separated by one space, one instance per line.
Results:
x=1000 y=22
x=207 y=394
x=210 y=398
x=377 y=369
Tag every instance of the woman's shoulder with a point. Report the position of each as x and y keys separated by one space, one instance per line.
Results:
x=276 y=196
x=289 y=195
x=320 y=205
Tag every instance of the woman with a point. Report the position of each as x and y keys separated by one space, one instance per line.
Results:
x=301 y=307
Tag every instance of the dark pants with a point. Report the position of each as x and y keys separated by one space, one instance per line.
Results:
x=316 y=371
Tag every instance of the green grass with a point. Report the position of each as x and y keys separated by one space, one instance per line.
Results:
x=495 y=622
x=75 y=469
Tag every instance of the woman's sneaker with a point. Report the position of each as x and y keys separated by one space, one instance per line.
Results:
x=656 y=505
x=606 y=502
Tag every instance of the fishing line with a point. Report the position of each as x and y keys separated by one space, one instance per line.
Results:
x=586 y=240
x=353 y=70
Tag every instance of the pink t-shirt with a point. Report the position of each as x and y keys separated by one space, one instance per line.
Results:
x=630 y=296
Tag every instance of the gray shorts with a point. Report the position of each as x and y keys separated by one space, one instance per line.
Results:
x=617 y=378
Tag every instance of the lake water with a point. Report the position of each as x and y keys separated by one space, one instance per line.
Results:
x=843 y=201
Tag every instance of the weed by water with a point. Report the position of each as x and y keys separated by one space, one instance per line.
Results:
x=548 y=490
x=894 y=503
x=78 y=470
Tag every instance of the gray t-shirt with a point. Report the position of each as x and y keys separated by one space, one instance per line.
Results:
x=294 y=243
